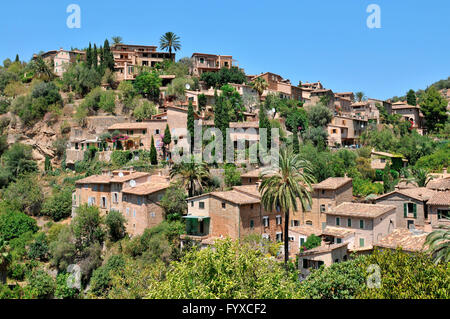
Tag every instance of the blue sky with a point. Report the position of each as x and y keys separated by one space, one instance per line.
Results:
x=325 y=40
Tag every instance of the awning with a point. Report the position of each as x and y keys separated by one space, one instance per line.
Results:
x=199 y=218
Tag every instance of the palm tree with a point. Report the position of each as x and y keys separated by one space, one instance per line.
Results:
x=260 y=84
x=420 y=176
x=439 y=244
x=360 y=96
x=192 y=175
x=283 y=186
x=170 y=41
x=5 y=260
x=117 y=40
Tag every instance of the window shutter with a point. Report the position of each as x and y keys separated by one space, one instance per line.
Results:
x=405 y=210
x=415 y=210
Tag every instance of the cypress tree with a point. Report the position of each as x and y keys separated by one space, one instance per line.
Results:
x=17 y=58
x=108 y=56
x=89 y=56
x=411 y=97
x=167 y=139
x=295 y=143
x=190 y=124
x=95 y=57
x=153 y=155
x=265 y=123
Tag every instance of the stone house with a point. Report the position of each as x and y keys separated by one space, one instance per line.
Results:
x=322 y=255
x=411 y=206
x=325 y=196
x=368 y=223
x=203 y=62
x=439 y=209
x=135 y=194
x=130 y=60
x=234 y=214
x=60 y=60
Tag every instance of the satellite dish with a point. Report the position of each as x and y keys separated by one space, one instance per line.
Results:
x=133 y=183
x=120 y=174
x=188 y=86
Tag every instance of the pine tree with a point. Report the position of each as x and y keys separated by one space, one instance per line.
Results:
x=191 y=124
x=102 y=60
x=153 y=154
x=295 y=143
x=89 y=56
x=411 y=97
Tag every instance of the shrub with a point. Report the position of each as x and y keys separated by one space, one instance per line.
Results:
x=41 y=285
x=116 y=225
x=59 y=205
x=39 y=248
x=62 y=291
x=25 y=194
x=13 y=224
x=232 y=176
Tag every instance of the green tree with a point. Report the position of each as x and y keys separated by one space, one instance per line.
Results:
x=87 y=226
x=117 y=40
x=260 y=85
x=434 y=108
x=411 y=98
x=5 y=260
x=174 y=202
x=144 y=110
x=116 y=225
x=153 y=153
x=59 y=205
x=191 y=125
x=167 y=139
x=148 y=84
x=295 y=143
x=312 y=241
x=192 y=175
x=202 y=100
x=319 y=115
x=25 y=194
x=234 y=270
x=108 y=57
x=232 y=176
x=89 y=57
x=13 y=224
x=170 y=41
x=360 y=96
x=282 y=187
x=438 y=243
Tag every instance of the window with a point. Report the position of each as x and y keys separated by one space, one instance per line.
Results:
x=443 y=213
x=124 y=197
x=91 y=201
x=251 y=206
x=278 y=220
x=202 y=60
x=224 y=205
x=103 y=202
x=266 y=221
x=410 y=208
x=143 y=132
x=334 y=131
x=361 y=224
x=192 y=204
x=338 y=221
x=116 y=198
x=94 y=187
x=134 y=212
x=410 y=224
x=139 y=201
x=338 y=240
x=201 y=205
x=156 y=131
x=308 y=222
x=361 y=242
x=323 y=191
x=349 y=222
x=295 y=223
x=128 y=211
x=322 y=208
x=279 y=236
x=252 y=224
x=302 y=240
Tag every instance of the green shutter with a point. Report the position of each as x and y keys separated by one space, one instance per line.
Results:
x=415 y=210
x=405 y=210
x=361 y=242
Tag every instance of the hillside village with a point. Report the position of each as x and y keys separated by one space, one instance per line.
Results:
x=88 y=141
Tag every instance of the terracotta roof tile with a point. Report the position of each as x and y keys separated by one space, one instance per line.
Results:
x=441 y=184
x=236 y=197
x=440 y=199
x=129 y=177
x=406 y=239
x=323 y=249
x=332 y=183
x=146 y=188
x=339 y=232
x=361 y=210
x=94 y=179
